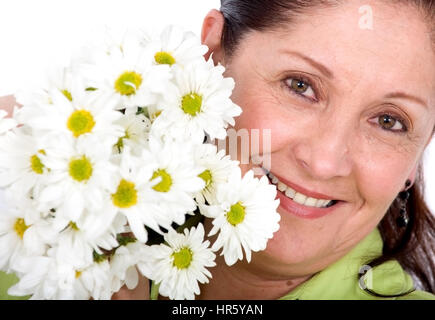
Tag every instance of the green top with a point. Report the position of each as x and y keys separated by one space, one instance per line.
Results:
x=339 y=281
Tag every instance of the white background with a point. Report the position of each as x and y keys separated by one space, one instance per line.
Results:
x=37 y=33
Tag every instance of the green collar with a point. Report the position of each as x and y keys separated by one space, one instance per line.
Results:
x=340 y=281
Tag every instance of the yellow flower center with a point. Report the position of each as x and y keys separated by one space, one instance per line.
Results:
x=182 y=258
x=206 y=176
x=20 y=227
x=120 y=144
x=67 y=94
x=36 y=164
x=126 y=195
x=128 y=83
x=236 y=214
x=80 y=122
x=164 y=58
x=78 y=274
x=191 y=104
x=165 y=184
x=73 y=226
x=80 y=169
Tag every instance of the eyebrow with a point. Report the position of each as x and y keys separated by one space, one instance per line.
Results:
x=313 y=62
x=404 y=95
x=323 y=69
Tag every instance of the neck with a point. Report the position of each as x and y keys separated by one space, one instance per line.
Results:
x=241 y=282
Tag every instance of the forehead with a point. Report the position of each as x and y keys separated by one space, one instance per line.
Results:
x=396 y=51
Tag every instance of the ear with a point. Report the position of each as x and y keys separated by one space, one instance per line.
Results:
x=211 y=35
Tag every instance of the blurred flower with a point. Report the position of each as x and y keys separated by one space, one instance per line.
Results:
x=218 y=167
x=176 y=47
x=127 y=72
x=6 y=124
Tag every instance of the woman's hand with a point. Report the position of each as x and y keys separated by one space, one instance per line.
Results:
x=8 y=103
x=141 y=292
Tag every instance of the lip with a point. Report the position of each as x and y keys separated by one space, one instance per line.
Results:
x=303 y=211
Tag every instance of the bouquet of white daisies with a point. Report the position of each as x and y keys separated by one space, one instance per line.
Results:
x=106 y=174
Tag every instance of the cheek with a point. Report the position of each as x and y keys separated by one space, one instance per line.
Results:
x=257 y=112
x=264 y=114
x=380 y=174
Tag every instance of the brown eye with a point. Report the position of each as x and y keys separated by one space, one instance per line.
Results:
x=299 y=86
x=387 y=122
x=391 y=123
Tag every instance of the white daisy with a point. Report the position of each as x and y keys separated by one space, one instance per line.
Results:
x=63 y=80
x=44 y=277
x=101 y=228
x=77 y=242
x=81 y=176
x=218 y=168
x=199 y=102
x=136 y=130
x=21 y=167
x=179 y=179
x=245 y=216
x=18 y=238
x=123 y=264
x=131 y=196
x=128 y=72
x=38 y=277
x=27 y=207
x=96 y=279
x=176 y=47
x=157 y=188
x=89 y=113
x=109 y=40
x=179 y=264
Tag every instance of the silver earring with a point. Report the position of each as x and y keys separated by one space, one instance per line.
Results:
x=403 y=219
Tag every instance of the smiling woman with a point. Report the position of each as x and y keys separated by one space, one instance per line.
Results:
x=351 y=111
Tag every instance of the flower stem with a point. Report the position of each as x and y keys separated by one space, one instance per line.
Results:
x=154 y=290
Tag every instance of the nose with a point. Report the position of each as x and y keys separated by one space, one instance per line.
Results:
x=324 y=153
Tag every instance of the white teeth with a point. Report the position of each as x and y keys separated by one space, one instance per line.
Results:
x=296 y=196
x=322 y=202
x=311 y=202
x=281 y=186
x=299 y=198
x=290 y=193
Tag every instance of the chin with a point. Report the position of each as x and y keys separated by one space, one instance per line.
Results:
x=298 y=248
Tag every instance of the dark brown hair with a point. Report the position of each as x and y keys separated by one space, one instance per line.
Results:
x=413 y=246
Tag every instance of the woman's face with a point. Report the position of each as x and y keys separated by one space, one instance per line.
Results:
x=350 y=110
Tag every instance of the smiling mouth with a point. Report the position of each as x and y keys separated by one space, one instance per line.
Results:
x=299 y=197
